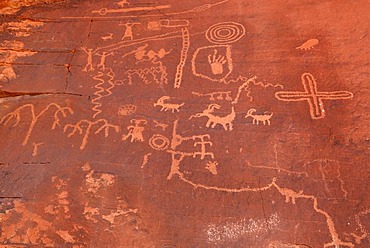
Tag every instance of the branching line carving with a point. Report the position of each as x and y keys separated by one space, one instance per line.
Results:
x=104 y=126
x=16 y=114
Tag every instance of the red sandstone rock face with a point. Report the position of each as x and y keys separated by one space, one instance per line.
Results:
x=184 y=124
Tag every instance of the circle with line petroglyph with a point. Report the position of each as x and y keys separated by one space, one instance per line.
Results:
x=159 y=142
x=225 y=32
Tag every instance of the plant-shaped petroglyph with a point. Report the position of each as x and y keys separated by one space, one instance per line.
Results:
x=264 y=118
x=225 y=121
x=217 y=62
x=168 y=106
x=135 y=131
x=309 y=44
x=211 y=166
x=16 y=114
x=103 y=125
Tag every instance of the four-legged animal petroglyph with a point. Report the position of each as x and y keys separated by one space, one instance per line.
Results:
x=264 y=118
x=168 y=106
x=225 y=121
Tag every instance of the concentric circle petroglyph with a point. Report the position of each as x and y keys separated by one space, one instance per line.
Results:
x=159 y=142
x=225 y=32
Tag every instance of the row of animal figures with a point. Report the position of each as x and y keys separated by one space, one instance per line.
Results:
x=213 y=120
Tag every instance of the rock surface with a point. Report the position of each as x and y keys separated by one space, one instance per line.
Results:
x=184 y=123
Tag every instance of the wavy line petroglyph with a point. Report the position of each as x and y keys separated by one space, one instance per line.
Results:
x=104 y=87
x=312 y=96
x=16 y=114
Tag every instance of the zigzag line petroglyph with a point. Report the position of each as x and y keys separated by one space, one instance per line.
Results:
x=101 y=89
x=183 y=57
x=246 y=86
x=17 y=115
x=143 y=74
x=77 y=127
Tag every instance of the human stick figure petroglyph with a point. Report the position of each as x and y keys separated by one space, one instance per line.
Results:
x=183 y=57
x=16 y=114
x=135 y=131
x=128 y=34
x=309 y=44
x=225 y=121
x=312 y=96
x=168 y=106
x=89 y=65
x=264 y=118
x=103 y=57
x=103 y=123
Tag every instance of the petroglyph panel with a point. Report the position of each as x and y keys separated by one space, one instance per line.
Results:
x=184 y=124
